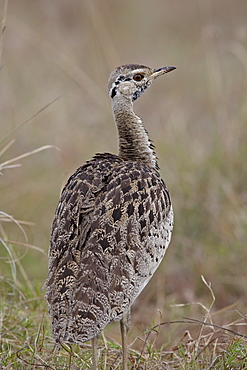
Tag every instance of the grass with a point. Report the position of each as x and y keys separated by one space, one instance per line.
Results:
x=26 y=341
x=55 y=59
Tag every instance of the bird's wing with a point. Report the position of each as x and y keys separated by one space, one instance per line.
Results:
x=110 y=232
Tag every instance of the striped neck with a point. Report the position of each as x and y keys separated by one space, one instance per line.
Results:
x=134 y=143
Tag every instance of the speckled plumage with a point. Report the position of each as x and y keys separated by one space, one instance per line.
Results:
x=110 y=232
x=111 y=228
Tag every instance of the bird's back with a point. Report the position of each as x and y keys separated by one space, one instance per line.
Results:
x=110 y=232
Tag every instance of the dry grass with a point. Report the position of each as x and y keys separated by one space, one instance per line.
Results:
x=26 y=341
x=55 y=60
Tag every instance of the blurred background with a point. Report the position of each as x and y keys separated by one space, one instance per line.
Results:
x=56 y=59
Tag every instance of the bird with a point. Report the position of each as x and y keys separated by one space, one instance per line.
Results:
x=112 y=225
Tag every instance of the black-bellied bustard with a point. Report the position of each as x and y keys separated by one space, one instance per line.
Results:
x=112 y=225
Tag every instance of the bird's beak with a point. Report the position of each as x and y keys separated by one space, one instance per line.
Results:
x=160 y=71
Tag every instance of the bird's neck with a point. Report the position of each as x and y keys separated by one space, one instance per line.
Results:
x=134 y=143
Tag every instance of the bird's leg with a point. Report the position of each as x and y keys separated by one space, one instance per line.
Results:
x=95 y=353
x=125 y=325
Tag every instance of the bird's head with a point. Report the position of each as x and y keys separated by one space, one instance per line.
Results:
x=131 y=80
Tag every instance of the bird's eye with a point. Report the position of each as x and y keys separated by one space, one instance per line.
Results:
x=138 y=77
